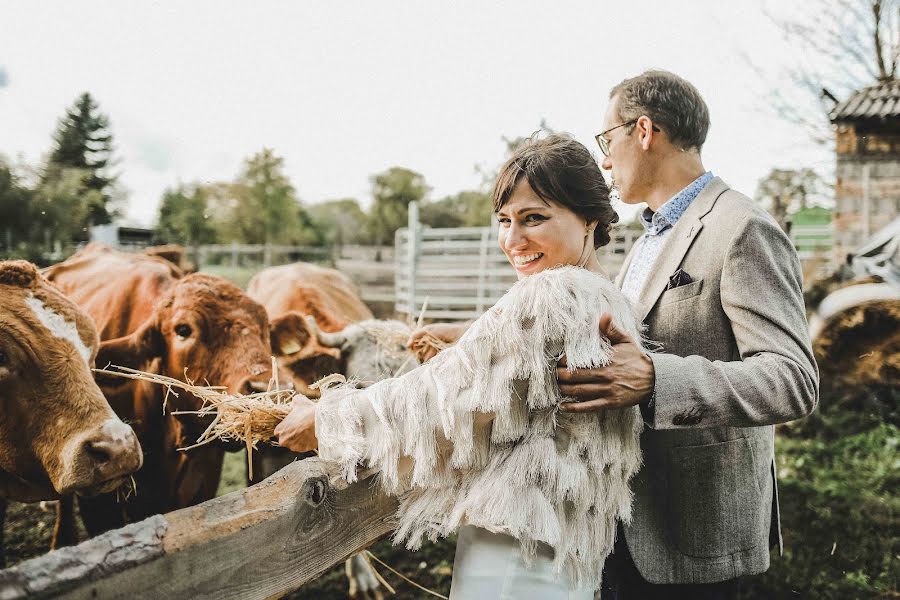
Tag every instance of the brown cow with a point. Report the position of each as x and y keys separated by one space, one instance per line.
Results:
x=330 y=328
x=173 y=253
x=339 y=335
x=58 y=434
x=199 y=327
x=291 y=293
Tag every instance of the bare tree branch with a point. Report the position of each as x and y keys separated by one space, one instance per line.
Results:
x=842 y=46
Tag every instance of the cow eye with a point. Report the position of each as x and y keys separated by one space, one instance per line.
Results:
x=3 y=359
x=183 y=330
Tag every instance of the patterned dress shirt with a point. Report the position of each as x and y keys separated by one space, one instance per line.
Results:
x=656 y=229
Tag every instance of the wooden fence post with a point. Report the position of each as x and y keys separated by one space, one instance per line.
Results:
x=482 y=269
x=234 y=254
x=412 y=240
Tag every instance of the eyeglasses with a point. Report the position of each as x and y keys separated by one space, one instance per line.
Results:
x=604 y=143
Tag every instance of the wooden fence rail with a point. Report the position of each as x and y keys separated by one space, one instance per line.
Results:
x=260 y=542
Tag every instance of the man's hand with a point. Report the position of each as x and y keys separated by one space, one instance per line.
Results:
x=298 y=430
x=626 y=381
x=445 y=333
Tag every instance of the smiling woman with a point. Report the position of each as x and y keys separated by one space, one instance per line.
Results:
x=553 y=206
x=475 y=440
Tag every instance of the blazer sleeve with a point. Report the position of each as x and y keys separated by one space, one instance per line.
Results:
x=776 y=378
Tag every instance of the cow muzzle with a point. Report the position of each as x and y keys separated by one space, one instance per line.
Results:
x=101 y=460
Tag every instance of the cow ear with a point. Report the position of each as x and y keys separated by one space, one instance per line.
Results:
x=289 y=334
x=132 y=351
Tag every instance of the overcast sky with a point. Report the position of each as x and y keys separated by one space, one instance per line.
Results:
x=343 y=90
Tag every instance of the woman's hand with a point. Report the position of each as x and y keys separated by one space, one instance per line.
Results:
x=298 y=430
x=421 y=342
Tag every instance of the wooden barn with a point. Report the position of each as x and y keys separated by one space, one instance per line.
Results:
x=867 y=191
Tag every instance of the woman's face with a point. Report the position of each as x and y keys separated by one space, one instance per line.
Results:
x=538 y=235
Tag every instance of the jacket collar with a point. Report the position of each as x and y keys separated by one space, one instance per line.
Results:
x=676 y=246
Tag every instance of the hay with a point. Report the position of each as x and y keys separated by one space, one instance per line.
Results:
x=861 y=346
x=427 y=340
x=248 y=419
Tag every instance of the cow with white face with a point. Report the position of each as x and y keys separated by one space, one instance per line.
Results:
x=58 y=434
x=370 y=350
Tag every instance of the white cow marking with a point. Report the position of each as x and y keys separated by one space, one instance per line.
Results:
x=58 y=326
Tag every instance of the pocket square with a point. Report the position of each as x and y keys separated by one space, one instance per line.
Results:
x=678 y=279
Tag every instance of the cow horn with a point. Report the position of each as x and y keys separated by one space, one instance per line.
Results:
x=328 y=339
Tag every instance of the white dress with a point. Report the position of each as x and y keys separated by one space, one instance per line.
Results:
x=491 y=566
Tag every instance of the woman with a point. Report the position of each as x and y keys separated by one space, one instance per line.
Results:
x=473 y=440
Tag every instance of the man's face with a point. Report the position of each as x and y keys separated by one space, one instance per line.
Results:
x=624 y=155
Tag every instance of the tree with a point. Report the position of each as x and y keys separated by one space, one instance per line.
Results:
x=17 y=211
x=470 y=208
x=784 y=191
x=83 y=141
x=184 y=216
x=64 y=204
x=841 y=47
x=267 y=210
x=392 y=191
x=339 y=221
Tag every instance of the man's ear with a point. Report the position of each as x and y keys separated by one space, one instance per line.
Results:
x=132 y=351
x=289 y=334
x=645 y=131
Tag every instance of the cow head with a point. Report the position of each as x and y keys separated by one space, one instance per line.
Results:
x=371 y=350
x=58 y=434
x=205 y=329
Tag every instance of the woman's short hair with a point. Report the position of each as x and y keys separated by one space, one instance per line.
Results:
x=561 y=170
x=670 y=101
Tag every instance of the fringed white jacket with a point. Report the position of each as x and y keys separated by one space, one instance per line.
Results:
x=475 y=436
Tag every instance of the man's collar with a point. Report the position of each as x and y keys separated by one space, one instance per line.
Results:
x=669 y=213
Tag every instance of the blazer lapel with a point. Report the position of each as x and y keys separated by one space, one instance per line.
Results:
x=677 y=245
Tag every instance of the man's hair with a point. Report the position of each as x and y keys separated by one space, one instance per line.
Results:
x=672 y=103
x=561 y=170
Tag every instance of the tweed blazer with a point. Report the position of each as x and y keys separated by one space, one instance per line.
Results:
x=735 y=360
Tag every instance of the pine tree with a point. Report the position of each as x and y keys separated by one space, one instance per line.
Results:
x=83 y=141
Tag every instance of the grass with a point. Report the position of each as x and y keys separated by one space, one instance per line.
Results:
x=838 y=477
x=240 y=276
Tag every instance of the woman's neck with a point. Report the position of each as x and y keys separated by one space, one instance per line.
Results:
x=593 y=264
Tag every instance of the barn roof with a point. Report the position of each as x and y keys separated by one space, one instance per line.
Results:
x=880 y=101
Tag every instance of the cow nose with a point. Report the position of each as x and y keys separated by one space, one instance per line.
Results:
x=113 y=450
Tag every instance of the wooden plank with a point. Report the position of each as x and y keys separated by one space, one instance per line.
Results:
x=448 y=301
x=470 y=256
x=388 y=296
x=260 y=542
x=452 y=232
x=442 y=315
x=458 y=286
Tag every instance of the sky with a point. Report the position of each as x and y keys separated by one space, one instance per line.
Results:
x=344 y=90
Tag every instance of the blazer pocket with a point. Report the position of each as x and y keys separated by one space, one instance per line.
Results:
x=681 y=293
x=715 y=502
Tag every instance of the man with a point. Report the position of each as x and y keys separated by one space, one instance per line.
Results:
x=718 y=285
